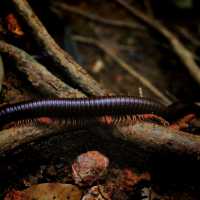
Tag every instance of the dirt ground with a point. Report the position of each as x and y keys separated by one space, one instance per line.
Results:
x=49 y=159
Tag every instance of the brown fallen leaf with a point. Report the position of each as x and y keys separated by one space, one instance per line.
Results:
x=46 y=191
x=13 y=25
x=97 y=192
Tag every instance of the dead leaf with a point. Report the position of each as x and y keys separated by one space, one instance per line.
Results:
x=13 y=25
x=97 y=192
x=46 y=191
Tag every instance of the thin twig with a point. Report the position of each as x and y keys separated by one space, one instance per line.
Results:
x=149 y=9
x=183 y=53
x=189 y=36
x=45 y=82
x=59 y=7
x=125 y=66
x=62 y=60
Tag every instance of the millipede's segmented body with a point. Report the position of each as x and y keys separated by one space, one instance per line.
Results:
x=81 y=108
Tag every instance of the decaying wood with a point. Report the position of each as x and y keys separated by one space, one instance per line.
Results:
x=42 y=80
x=185 y=55
x=14 y=137
x=155 y=138
x=61 y=59
x=151 y=137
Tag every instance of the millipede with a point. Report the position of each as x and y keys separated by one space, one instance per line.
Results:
x=111 y=110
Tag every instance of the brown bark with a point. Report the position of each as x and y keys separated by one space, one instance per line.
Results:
x=62 y=60
x=155 y=138
x=44 y=81
x=152 y=138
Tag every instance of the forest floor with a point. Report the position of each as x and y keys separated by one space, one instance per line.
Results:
x=108 y=53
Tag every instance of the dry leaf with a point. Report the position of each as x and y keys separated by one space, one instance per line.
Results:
x=47 y=191
x=13 y=25
x=97 y=193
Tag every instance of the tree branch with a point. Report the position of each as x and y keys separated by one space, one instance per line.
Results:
x=14 y=137
x=57 y=7
x=161 y=139
x=151 y=137
x=64 y=63
x=184 y=54
x=45 y=82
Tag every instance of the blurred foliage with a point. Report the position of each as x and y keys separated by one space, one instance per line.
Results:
x=184 y=4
